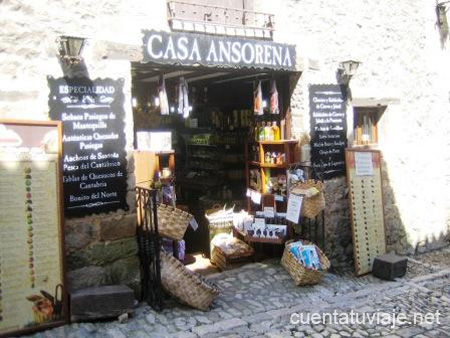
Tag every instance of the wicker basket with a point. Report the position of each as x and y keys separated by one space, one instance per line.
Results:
x=299 y=273
x=186 y=286
x=231 y=254
x=172 y=222
x=311 y=205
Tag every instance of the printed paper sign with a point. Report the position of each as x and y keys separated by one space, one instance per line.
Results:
x=269 y=212
x=363 y=164
x=193 y=223
x=256 y=197
x=260 y=222
x=279 y=198
x=294 y=207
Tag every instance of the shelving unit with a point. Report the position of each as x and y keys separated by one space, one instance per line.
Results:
x=148 y=163
x=267 y=170
x=287 y=147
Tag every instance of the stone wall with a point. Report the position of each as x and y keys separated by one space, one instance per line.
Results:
x=102 y=250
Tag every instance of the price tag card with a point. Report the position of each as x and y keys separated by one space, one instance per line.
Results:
x=269 y=212
x=363 y=164
x=256 y=197
x=260 y=222
x=279 y=198
x=193 y=223
x=294 y=207
x=248 y=193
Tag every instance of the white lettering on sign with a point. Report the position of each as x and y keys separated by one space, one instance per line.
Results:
x=182 y=47
x=67 y=89
x=212 y=52
x=195 y=51
x=192 y=48
x=150 y=46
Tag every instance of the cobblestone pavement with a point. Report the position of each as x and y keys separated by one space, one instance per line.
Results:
x=259 y=299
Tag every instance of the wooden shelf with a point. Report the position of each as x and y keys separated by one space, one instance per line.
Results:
x=165 y=152
x=265 y=165
x=201 y=145
x=265 y=240
x=278 y=142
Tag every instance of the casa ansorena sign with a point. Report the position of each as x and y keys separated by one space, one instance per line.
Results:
x=190 y=49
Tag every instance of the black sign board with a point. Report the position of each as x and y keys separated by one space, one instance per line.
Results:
x=193 y=49
x=328 y=129
x=94 y=158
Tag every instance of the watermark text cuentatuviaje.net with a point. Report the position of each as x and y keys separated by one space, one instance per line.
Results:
x=391 y=319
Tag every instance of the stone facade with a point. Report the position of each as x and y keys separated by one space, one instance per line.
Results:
x=402 y=57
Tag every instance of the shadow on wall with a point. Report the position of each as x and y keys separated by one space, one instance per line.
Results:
x=397 y=239
x=338 y=233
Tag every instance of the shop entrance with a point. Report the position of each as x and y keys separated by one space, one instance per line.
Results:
x=212 y=126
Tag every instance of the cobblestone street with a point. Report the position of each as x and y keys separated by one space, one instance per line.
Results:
x=258 y=300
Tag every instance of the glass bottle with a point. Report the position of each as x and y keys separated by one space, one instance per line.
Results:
x=267 y=158
x=268 y=132
x=275 y=131
x=256 y=131
x=279 y=159
x=262 y=132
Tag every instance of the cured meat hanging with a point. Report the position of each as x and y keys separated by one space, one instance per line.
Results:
x=274 y=106
x=257 y=100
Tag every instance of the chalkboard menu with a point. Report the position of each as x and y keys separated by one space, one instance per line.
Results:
x=94 y=157
x=328 y=129
x=32 y=292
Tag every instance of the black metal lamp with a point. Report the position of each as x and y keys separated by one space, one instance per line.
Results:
x=70 y=48
x=349 y=68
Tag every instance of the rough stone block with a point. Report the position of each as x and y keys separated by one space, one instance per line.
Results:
x=86 y=277
x=80 y=233
x=101 y=302
x=108 y=252
x=102 y=253
x=125 y=271
x=118 y=227
x=389 y=266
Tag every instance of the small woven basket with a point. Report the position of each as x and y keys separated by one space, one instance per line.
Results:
x=172 y=222
x=186 y=286
x=299 y=273
x=311 y=206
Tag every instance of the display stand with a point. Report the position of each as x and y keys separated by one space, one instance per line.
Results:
x=366 y=205
x=149 y=244
x=312 y=230
x=32 y=257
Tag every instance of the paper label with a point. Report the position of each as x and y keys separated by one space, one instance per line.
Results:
x=279 y=198
x=363 y=164
x=269 y=212
x=260 y=222
x=294 y=207
x=193 y=224
x=256 y=197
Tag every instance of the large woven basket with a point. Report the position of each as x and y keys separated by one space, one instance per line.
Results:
x=186 y=286
x=311 y=206
x=299 y=273
x=172 y=222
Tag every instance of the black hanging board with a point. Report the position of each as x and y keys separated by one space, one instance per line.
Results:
x=94 y=157
x=328 y=129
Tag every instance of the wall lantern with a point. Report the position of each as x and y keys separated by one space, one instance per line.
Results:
x=349 y=68
x=70 y=48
